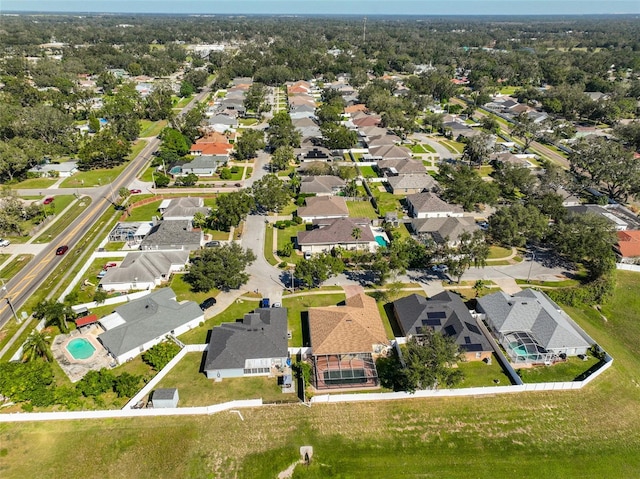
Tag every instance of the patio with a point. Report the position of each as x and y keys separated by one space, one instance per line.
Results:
x=74 y=368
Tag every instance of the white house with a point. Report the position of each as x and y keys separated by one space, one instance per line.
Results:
x=429 y=205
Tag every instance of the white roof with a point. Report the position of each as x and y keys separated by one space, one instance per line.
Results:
x=111 y=321
x=164 y=205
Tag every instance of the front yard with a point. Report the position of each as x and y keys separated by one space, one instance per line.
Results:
x=298 y=307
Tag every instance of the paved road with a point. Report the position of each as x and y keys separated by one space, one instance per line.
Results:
x=442 y=152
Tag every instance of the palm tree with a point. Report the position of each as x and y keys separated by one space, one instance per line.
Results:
x=37 y=345
x=356 y=234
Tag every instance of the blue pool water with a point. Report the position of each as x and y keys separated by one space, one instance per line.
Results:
x=80 y=348
x=381 y=241
x=175 y=170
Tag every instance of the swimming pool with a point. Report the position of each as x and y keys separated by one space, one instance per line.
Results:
x=80 y=348
x=381 y=241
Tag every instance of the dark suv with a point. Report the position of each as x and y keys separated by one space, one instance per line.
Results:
x=207 y=303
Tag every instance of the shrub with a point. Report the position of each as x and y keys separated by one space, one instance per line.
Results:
x=160 y=355
x=283 y=265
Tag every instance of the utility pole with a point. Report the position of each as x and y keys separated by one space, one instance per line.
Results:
x=4 y=289
x=364 y=31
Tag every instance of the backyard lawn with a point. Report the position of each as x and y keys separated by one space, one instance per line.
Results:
x=367 y=171
x=566 y=371
x=361 y=209
x=145 y=212
x=196 y=390
x=481 y=374
x=387 y=202
x=297 y=309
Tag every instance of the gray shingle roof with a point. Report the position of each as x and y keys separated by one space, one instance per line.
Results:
x=261 y=334
x=144 y=266
x=147 y=318
x=445 y=313
x=532 y=312
x=324 y=206
x=336 y=231
x=185 y=207
x=172 y=234
x=446 y=227
x=431 y=203
x=321 y=184
x=413 y=181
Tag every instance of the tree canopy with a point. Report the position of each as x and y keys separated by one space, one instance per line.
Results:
x=221 y=268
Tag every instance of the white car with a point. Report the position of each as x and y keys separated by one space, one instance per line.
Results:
x=307 y=255
x=442 y=268
x=4 y=242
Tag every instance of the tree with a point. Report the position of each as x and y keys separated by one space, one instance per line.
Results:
x=514 y=225
x=54 y=314
x=247 y=146
x=477 y=149
x=514 y=181
x=95 y=383
x=199 y=220
x=126 y=385
x=336 y=136
x=37 y=345
x=197 y=78
x=159 y=355
x=231 y=209
x=103 y=150
x=464 y=186
x=123 y=110
x=588 y=239
x=629 y=133
x=254 y=99
x=270 y=193
x=100 y=296
x=174 y=141
x=281 y=131
x=186 y=89
x=429 y=359
x=526 y=129
x=317 y=269
x=603 y=163
x=30 y=381
x=490 y=124
x=187 y=180
x=189 y=123
x=282 y=157
x=222 y=268
x=124 y=192
x=159 y=104
x=161 y=181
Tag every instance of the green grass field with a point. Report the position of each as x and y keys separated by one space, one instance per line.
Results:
x=34 y=183
x=196 y=390
x=145 y=212
x=361 y=209
x=589 y=433
x=14 y=266
x=268 y=247
x=498 y=252
x=151 y=128
x=184 y=293
x=367 y=171
x=66 y=219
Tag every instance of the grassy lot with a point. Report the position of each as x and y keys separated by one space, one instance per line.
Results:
x=288 y=235
x=367 y=171
x=589 y=433
x=234 y=312
x=361 y=209
x=509 y=90
x=481 y=374
x=247 y=121
x=86 y=293
x=498 y=252
x=417 y=148
x=114 y=246
x=567 y=371
x=181 y=102
x=452 y=146
x=485 y=170
x=196 y=390
x=14 y=266
x=145 y=212
x=34 y=183
x=151 y=128
x=387 y=202
x=65 y=220
x=148 y=173
x=567 y=283
x=268 y=247
x=298 y=307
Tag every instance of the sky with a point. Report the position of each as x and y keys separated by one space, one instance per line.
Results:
x=334 y=7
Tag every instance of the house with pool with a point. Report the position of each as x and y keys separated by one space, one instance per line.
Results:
x=140 y=324
x=531 y=328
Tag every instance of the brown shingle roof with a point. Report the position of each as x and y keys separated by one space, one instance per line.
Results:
x=324 y=206
x=337 y=231
x=354 y=328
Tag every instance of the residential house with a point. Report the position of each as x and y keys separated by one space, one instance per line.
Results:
x=64 y=169
x=183 y=208
x=365 y=119
x=531 y=327
x=172 y=235
x=410 y=184
x=211 y=149
x=445 y=229
x=509 y=158
x=429 y=205
x=324 y=185
x=447 y=314
x=345 y=341
x=133 y=232
x=323 y=207
x=222 y=123
x=318 y=153
x=404 y=166
x=144 y=270
x=328 y=234
x=620 y=217
x=256 y=346
x=628 y=246
x=203 y=165
x=389 y=152
x=142 y=323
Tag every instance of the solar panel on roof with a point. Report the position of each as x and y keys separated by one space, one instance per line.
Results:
x=467 y=339
x=450 y=331
x=436 y=315
x=431 y=322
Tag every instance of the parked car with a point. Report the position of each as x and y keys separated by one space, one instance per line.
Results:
x=48 y=200
x=442 y=268
x=109 y=265
x=264 y=303
x=62 y=250
x=4 y=242
x=207 y=303
x=307 y=255
x=212 y=244
x=135 y=191
x=102 y=274
x=276 y=305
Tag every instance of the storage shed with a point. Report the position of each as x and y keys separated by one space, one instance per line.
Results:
x=164 y=398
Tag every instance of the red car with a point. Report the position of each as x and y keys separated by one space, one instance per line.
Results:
x=135 y=191
x=48 y=200
x=109 y=265
x=62 y=250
